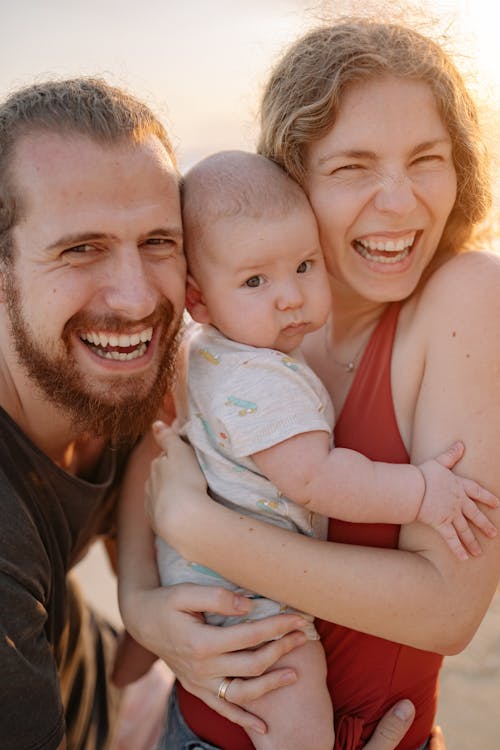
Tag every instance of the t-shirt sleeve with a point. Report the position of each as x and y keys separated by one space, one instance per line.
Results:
x=32 y=716
x=270 y=398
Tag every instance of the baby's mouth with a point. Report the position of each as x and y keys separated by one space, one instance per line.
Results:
x=121 y=347
x=387 y=251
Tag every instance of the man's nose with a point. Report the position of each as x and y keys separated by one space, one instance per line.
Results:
x=129 y=290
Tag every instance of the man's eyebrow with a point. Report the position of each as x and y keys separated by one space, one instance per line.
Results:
x=79 y=238
x=172 y=231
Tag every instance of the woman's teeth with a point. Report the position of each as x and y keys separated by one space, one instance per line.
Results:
x=385 y=251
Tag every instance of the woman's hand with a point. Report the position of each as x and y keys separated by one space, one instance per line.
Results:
x=168 y=622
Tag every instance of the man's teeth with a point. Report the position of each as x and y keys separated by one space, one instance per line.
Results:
x=396 y=249
x=108 y=345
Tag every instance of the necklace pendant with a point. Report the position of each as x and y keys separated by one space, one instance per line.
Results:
x=350 y=367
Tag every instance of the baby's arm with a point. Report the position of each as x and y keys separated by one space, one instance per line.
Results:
x=344 y=484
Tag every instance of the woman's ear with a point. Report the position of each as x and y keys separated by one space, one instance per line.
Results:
x=195 y=304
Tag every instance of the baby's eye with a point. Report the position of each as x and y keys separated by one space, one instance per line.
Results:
x=254 y=281
x=304 y=267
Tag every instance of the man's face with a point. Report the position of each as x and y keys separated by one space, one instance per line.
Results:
x=96 y=289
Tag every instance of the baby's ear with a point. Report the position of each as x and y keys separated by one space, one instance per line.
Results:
x=195 y=304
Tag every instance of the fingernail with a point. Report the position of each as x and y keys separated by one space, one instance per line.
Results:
x=241 y=604
x=287 y=678
x=158 y=426
x=258 y=728
x=299 y=623
x=404 y=710
x=300 y=638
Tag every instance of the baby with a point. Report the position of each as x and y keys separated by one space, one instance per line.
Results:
x=260 y=420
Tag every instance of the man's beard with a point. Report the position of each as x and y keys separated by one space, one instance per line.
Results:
x=123 y=416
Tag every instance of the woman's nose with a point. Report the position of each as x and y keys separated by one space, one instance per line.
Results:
x=395 y=194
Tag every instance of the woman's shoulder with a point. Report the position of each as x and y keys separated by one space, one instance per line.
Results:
x=469 y=268
x=469 y=281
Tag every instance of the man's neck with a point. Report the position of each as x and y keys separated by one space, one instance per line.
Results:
x=49 y=428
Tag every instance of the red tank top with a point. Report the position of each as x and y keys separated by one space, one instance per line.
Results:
x=366 y=675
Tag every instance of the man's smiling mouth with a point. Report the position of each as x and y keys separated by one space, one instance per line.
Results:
x=118 y=346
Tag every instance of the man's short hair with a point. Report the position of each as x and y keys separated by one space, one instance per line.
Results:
x=82 y=106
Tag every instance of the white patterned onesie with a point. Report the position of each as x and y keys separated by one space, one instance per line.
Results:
x=242 y=400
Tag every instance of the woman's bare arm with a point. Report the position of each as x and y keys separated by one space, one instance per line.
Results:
x=169 y=621
x=421 y=586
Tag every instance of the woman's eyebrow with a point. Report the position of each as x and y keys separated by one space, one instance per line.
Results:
x=349 y=154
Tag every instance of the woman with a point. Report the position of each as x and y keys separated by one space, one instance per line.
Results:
x=375 y=123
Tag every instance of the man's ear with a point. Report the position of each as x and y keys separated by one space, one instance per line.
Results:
x=195 y=304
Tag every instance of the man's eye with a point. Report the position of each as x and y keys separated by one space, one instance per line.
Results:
x=304 y=267
x=254 y=281
x=80 y=249
x=159 y=241
x=161 y=247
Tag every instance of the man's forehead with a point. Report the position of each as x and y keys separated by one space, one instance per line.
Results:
x=38 y=150
x=74 y=185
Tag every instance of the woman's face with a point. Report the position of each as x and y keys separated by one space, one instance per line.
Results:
x=382 y=184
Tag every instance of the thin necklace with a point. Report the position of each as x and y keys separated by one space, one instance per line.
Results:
x=352 y=363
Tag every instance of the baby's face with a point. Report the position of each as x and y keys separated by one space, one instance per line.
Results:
x=264 y=281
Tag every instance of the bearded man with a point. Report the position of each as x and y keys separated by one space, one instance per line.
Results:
x=92 y=293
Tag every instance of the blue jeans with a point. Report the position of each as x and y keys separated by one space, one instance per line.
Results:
x=178 y=736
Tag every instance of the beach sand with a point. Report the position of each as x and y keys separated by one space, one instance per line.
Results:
x=469 y=704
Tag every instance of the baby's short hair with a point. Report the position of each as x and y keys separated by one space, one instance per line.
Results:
x=229 y=184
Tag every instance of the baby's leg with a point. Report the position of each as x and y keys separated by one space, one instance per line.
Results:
x=299 y=716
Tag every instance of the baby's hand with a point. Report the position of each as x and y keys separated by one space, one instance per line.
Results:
x=450 y=502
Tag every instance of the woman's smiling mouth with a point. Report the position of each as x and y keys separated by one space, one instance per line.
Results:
x=387 y=251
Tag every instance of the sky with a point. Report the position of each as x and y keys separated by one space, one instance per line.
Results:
x=199 y=63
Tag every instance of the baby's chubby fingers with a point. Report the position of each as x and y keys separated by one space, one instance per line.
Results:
x=451 y=455
x=450 y=535
x=480 y=494
x=477 y=517
x=466 y=536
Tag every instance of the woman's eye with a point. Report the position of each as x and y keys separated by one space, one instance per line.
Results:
x=347 y=168
x=304 y=267
x=426 y=158
x=254 y=281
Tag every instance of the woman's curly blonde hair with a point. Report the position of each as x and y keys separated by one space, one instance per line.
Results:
x=305 y=91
